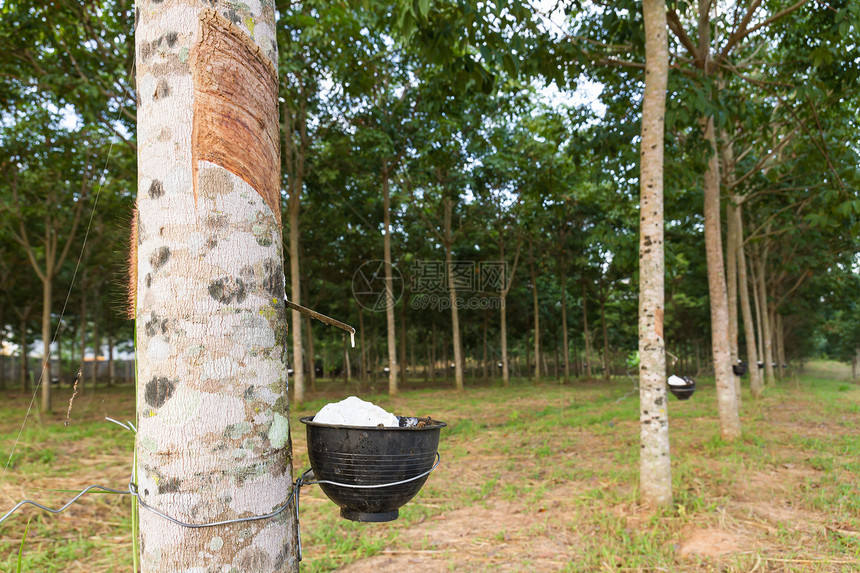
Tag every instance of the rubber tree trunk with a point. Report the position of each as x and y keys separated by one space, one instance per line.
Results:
x=312 y=358
x=733 y=237
x=746 y=309
x=766 y=328
x=213 y=439
x=402 y=365
x=364 y=365
x=727 y=404
x=564 y=341
x=655 y=474
x=585 y=331
x=537 y=313
x=23 y=362
x=97 y=343
x=47 y=298
x=389 y=283
x=732 y=289
x=452 y=290
x=605 y=328
x=295 y=296
x=485 y=362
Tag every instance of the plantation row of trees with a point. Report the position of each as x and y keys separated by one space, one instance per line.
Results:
x=449 y=141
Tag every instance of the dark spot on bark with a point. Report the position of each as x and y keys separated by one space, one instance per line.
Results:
x=647 y=241
x=158 y=391
x=247 y=272
x=156 y=326
x=171 y=38
x=253 y=559
x=232 y=16
x=162 y=89
x=227 y=289
x=659 y=401
x=211 y=242
x=169 y=485
x=159 y=257
x=273 y=278
x=147 y=280
x=645 y=413
x=217 y=222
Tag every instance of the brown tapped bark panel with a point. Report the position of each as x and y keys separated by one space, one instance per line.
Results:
x=235 y=108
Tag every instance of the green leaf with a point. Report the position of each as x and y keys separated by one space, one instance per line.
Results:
x=423 y=7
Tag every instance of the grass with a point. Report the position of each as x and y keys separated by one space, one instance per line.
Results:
x=532 y=479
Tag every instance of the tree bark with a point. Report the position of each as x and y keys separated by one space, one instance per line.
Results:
x=746 y=310
x=606 y=362
x=213 y=439
x=312 y=359
x=537 y=313
x=655 y=478
x=484 y=362
x=452 y=290
x=24 y=363
x=389 y=283
x=564 y=340
x=732 y=287
x=727 y=404
x=364 y=366
x=403 y=366
x=585 y=331
x=767 y=330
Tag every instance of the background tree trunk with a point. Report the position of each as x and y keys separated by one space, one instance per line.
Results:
x=213 y=438
x=452 y=290
x=727 y=404
x=746 y=310
x=564 y=342
x=537 y=313
x=389 y=284
x=655 y=477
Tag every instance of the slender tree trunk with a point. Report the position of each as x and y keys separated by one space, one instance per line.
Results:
x=364 y=365
x=433 y=361
x=727 y=404
x=389 y=283
x=111 y=373
x=606 y=362
x=452 y=290
x=758 y=314
x=655 y=477
x=503 y=333
x=97 y=343
x=24 y=363
x=564 y=340
x=403 y=366
x=213 y=441
x=746 y=310
x=537 y=313
x=47 y=297
x=766 y=328
x=485 y=362
x=585 y=331
x=312 y=357
x=295 y=296
x=732 y=287
x=780 y=345
x=83 y=344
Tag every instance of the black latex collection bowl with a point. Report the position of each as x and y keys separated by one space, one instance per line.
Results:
x=683 y=392
x=358 y=455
